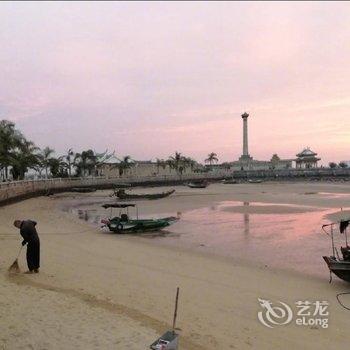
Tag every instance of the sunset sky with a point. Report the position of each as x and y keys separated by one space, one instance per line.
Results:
x=148 y=79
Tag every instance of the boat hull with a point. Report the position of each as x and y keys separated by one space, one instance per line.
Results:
x=199 y=185
x=340 y=268
x=140 y=226
x=150 y=196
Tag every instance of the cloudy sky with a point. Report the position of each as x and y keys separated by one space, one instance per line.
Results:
x=147 y=79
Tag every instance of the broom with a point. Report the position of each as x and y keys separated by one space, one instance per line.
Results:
x=15 y=267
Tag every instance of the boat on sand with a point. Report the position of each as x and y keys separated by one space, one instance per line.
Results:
x=339 y=265
x=121 y=194
x=124 y=224
x=197 y=184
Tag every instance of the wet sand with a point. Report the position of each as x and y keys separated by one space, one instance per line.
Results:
x=98 y=290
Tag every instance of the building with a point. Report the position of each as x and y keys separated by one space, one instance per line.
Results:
x=306 y=159
x=246 y=161
x=110 y=166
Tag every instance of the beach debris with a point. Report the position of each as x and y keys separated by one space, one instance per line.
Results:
x=170 y=339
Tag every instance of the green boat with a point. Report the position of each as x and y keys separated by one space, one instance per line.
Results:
x=123 y=224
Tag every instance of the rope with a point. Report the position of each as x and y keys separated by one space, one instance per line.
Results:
x=341 y=304
x=53 y=233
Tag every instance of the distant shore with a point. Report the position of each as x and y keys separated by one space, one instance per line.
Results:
x=11 y=192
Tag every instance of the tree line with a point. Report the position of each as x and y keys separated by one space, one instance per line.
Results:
x=333 y=165
x=18 y=155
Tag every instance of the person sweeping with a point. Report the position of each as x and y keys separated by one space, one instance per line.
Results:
x=30 y=237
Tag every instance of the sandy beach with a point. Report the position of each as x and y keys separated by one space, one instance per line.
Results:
x=104 y=291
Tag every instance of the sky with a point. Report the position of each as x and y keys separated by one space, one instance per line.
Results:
x=147 y=79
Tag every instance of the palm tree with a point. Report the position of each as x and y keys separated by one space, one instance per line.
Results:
x=212 y=158
x=24 y=158
x=85 y=162
x=125 y=164
x=190 y=162
x=176 y=162
x=10 y=141
x=69 y=157
x=45 y=157
x=58 y=167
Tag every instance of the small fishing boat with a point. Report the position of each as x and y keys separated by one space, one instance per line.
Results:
x=255 y=181
x=121 y=194
x=123 y=223
x=339 y=265
x=197 y=184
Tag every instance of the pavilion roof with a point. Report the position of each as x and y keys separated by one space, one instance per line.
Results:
x=306 y=152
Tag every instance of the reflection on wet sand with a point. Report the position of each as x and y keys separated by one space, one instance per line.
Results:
x=280 y=235
x=246 y=222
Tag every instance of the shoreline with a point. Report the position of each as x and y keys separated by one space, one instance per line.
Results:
x=130 y=284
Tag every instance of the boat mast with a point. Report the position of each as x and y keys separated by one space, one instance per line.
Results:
x=175 y=312
x=332 y=240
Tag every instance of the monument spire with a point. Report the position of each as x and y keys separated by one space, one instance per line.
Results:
x=245 y=155
x=245 y=116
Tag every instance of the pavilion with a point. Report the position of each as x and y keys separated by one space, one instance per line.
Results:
x=306 y=159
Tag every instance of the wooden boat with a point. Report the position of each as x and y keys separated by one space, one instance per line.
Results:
x=83 y=189
x=121 y=194
x=197 y=184
x=339 y=265
x=229 y=181
x=123 y=224
x=255 y=181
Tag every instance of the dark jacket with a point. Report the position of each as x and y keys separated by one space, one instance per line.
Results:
x=28 y=232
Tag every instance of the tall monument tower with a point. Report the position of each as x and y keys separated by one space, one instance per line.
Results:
x=245 y=155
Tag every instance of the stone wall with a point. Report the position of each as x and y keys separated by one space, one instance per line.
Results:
x=319 y=173
x=18 y=190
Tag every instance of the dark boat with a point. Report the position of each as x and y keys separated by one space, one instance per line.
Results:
x=197 y=184
x=123 y=223
x=339 y=265
x=121 y=194
x=83 y=189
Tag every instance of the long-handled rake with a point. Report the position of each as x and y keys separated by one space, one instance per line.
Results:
x=15 y=267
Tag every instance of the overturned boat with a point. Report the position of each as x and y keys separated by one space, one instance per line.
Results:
x=339 y=265
x=123 y=224
x=121 y=194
